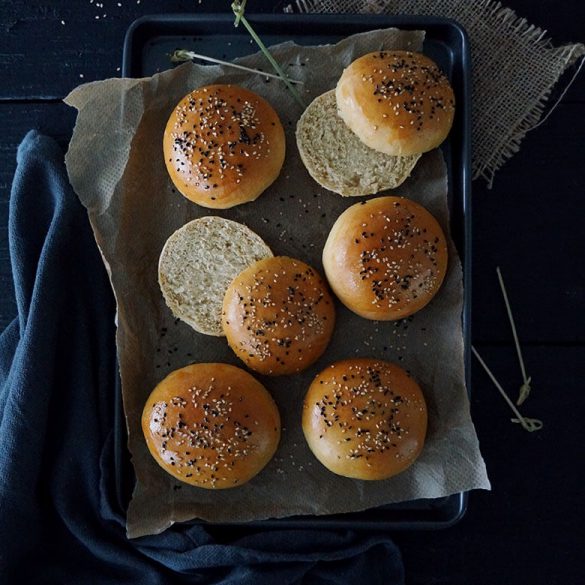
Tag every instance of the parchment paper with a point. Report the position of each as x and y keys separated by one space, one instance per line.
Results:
x=116 y=166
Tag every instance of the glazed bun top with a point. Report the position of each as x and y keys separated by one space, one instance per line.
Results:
x=385 y=258
x=397 y=102
x=278 y=316
x=365 y=418
x=212 y=425
x=223 y=145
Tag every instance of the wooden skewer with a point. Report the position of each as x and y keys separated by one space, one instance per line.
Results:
x=529 y=424
x=526 y=380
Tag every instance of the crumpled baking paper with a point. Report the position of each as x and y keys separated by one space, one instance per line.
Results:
x=115 y=164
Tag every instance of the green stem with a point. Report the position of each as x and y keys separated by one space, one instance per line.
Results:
x=238 y=9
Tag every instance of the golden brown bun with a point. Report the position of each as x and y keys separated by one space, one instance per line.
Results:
x=396 y=102
x=278 y=316
x=365 y=418
x=385 y=258
x=223 y=145
x=211 y=425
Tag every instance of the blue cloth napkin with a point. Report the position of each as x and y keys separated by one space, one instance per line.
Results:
x=59 y=517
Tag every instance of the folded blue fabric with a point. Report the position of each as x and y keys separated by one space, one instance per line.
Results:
x=59 y=517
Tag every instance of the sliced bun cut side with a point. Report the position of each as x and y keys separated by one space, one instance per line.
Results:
x=223 y=146
x=397 y=102
x=198 y=263
x=338 y=160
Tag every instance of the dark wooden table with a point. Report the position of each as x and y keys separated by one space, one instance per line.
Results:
x=529 y=529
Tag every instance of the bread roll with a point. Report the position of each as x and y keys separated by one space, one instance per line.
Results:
x=338 y=160
x=197 y=264
x=396 y=102
x=278 y=316
x=211 y=425
x=365 y=419
x=223 y=145
x=385 y=258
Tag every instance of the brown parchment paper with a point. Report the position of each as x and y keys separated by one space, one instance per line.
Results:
x=116 y=166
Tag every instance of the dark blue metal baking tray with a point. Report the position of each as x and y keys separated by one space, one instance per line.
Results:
x=147 y=46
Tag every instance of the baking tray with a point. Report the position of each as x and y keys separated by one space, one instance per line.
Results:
x=149 y=42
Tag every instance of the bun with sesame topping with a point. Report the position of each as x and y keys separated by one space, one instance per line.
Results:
x=385 y=258
x=212 y=426
x=278 y=316
x=365 y=419
x=223 y=145
x=397 y=102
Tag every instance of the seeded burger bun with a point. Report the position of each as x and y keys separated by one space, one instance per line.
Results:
x=278 y=316
x=212 y=426
x=338 y=160
x=197 y=264
x=385 y=258
x=365 y=418
x=223 y=145
x=397 y=102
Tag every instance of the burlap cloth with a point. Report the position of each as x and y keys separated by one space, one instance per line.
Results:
x=515 y=68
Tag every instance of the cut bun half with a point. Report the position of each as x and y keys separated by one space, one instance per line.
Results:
x=198 y=263
x=338 y=160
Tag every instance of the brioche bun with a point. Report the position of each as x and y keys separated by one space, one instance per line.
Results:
x=212 y=426
x=365 y=418
x=397 y=102
x=385 y=258
x=278 y=316
x=223 y=145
